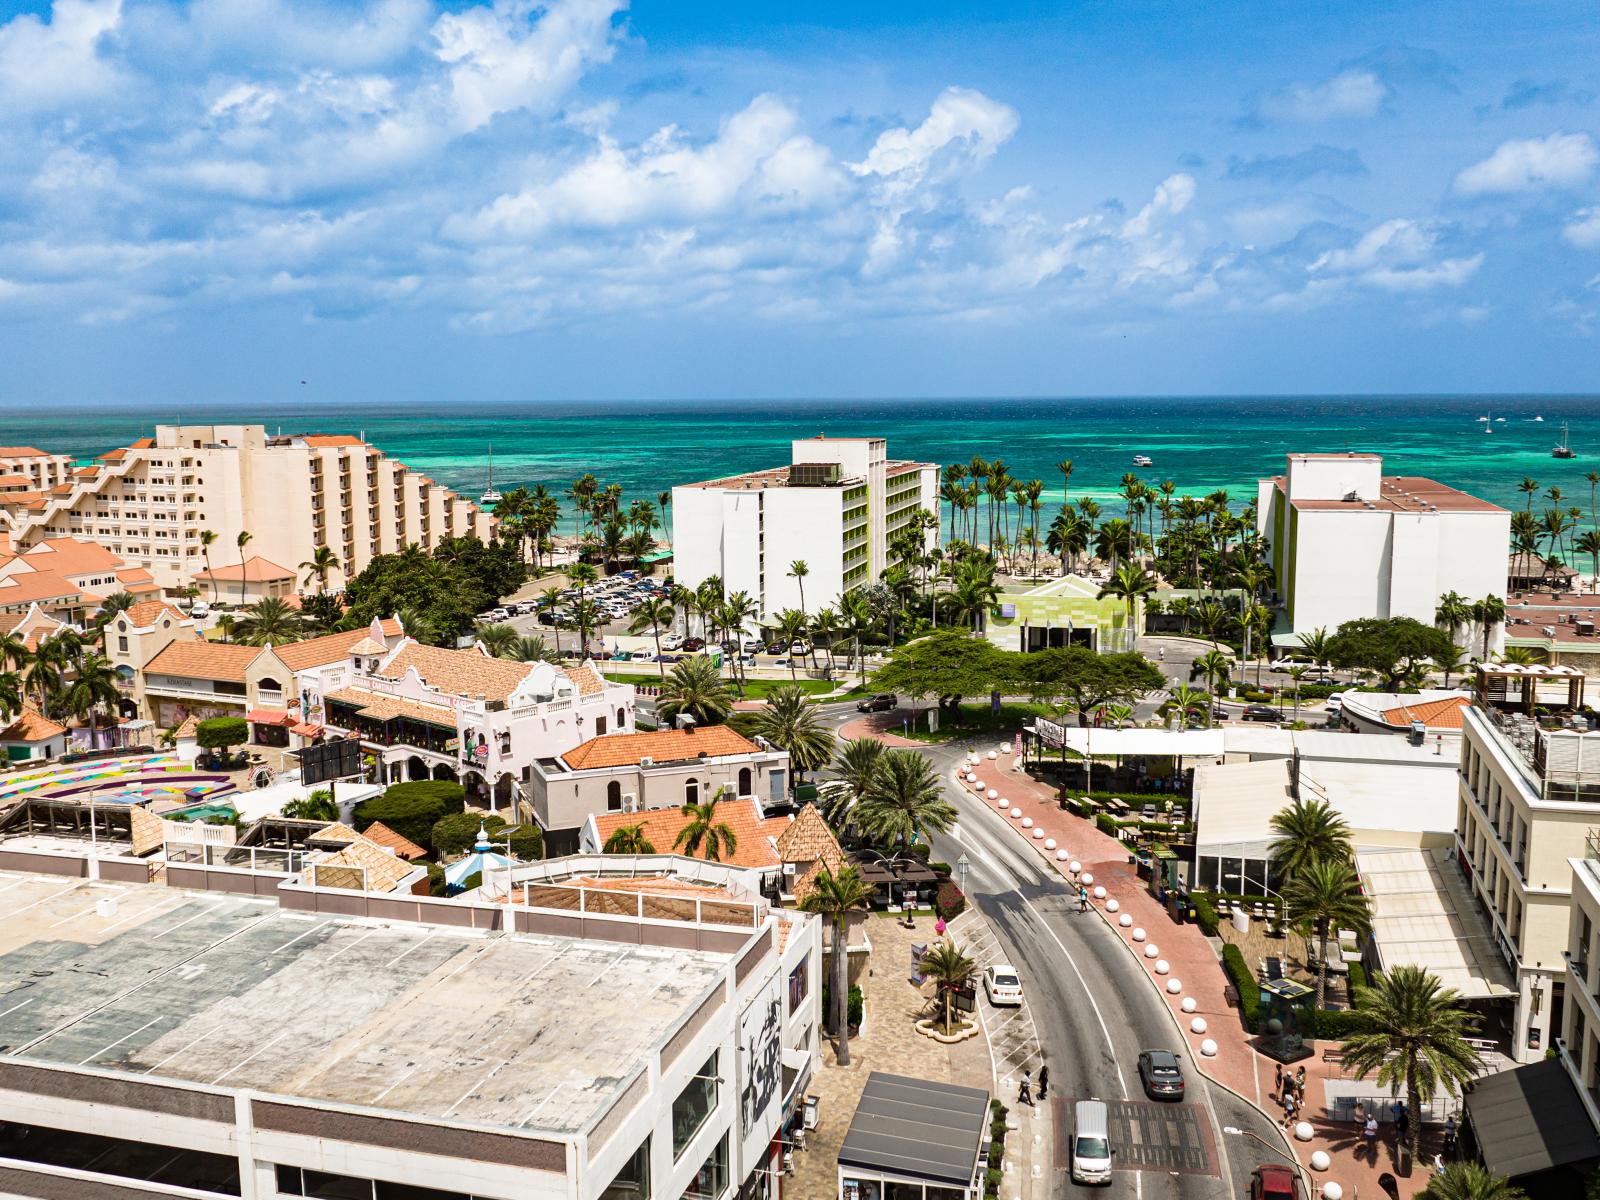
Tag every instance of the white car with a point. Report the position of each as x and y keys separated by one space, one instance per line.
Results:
x=1287 y=664
x=671 y=642
x=1002 y=985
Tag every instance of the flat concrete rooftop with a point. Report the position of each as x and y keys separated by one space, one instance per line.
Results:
x=514 y=1030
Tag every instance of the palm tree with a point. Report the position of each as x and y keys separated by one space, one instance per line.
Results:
x=1129 y=583
x=1454 y=611
x=1309 y=831
x=695 y=689
x=14 y=650
x=1184 y=700
x=207 y=540
x=1315 y=644
x=241 y=542
x=322 y=560
x=11 y=694
x=1326 y=894
x=499 y=640
x=1450 y=662
x=532 y=648
x=628 y=839
x=652 y=615
x=834 y=897
x=950 y=970
x=1588 y=542
x=703 y=829
x=93 y=687
x=1472 y=1181
x=1412 y=1033
x=798 y=572
x=585 y=615
x=791 y=626
x=1520 y=656
x=1487 y=613
x=414 y=624
x=1214 y=667
x=269 y=621
x=855 y=764
x=789 y=721
x=904 y=800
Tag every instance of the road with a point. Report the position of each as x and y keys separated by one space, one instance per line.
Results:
x=1095 y=1010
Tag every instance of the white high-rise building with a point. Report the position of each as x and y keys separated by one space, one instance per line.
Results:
x=149 y=502
x=836 y=507
x=1348 y=541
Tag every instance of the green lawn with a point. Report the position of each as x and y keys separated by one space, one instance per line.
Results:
x=755 y=689
x=972 y=720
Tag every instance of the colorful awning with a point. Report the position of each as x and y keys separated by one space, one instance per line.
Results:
x=267 y=716
x=305 y=729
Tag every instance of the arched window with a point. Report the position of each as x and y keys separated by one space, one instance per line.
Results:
x=744 y=781
x=691 y=791
x=599 y=726
x=622 y=718
x=614 y=796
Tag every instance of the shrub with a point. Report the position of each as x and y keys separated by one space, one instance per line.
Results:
x=436 y=883
x=942 y=869
x=412 y=809
x=455 y=834
x=855 y=1006
x=1358 y=979
x=318 y=806
x=1106 y=824
x=1329 y=1026
x=995 y=1177
x=1244 y=982
x=1205 y=915
x=472 y=881
x=527 y=842
x=221 y=733
x=949 y=902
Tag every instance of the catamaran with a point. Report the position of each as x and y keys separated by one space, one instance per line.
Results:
x=490 y=496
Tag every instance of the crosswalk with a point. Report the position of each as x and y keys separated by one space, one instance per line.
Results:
x=1148 y=1136
x=1013 y=1036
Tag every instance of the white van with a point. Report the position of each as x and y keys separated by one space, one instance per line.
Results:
x=1091 y=1142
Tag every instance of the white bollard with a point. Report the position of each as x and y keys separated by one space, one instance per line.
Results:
x=1163 y=966
x=1061 y=856
x=1174 y=987
x=1138 y=934
x=1198 y=1025
x=1113 y=905
x=1320 y=1160
x=1208 y=1048
x=1002 y=804
x=1189 y=1004
x=1049 y=843
x=1151 y=950
x=1038 y=834
x=994 y=794
x=993 y=754
x=1015 y=813
x=1027 y=822
x=1125 y=920
x=1303 y=1131
x=1075 y=867
x=1332 y=1191
x=1099 y=893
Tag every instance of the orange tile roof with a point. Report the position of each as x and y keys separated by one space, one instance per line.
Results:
x=362 y=865
x=255 y=570
x=752 y=833
x=71 y=556
x=458 y=672
x=14 y=481
x=386 y=708
x=31 y=726
x=664 y=746
x=383 y=836
x=146 y=613
x=331 y=648
x=588 y=678
x=332 y=439
x=1435 y=714
x=26 y=587
x=198 y=659
x=22 y=452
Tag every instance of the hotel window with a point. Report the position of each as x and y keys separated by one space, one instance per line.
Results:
x=614 y=796
x=691 y=791
x=632 y=1181
x=323 y=1185
x=694 y=1104
x=711 y=1181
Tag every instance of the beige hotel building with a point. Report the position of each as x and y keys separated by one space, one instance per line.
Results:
x=148 y=502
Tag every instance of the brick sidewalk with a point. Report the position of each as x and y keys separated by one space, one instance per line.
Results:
x=878 y=727
x=1190 y=959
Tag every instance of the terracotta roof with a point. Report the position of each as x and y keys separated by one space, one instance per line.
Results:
x=588 y=678
x=663 y=746
x=190 y=726
x=255 y=570
x=386 y=708
x=808 y=838
x=332 y=439
x=146 y=613
x=22 y=452
x=382 y=835
x=331 y=648
x=70 y=556
x=753 y=834
x=28 y=586
x=458 y=672
x=1435 y=714
x=14 y=481
x=362 y=865
x=368 y=647
x=660 y=885
x=337 y=834
x=31 y=726
x=199 y=659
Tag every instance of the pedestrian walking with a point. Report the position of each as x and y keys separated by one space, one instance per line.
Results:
x=1044 y=1081
x=1403 y=1125
x=1289 y=1107
x=1024 y=1095
x=1370 y=1136
x=1083 y=898
x=1450 y=1137
x=1277 y=1077
x=1300 y=1082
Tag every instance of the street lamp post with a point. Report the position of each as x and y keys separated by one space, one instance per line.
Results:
x=963 y=866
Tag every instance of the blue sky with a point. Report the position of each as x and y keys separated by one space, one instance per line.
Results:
x=413 y=200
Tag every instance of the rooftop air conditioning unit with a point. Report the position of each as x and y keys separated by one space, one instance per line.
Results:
x=788 y=868
x=630 y=802
x=1548 y=630
x=646 y=761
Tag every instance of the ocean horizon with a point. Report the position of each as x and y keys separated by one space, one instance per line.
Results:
x=1201 y=443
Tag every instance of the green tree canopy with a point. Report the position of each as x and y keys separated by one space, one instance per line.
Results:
x=1389 y=646
x=1084 y=680
x=317 y=806
x=949 y=666
x=222 y=733
x=412 y=809
x=444 y=589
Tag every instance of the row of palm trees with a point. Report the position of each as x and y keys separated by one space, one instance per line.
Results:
x=605 y=528
x=1556 y=533
x=64 y=676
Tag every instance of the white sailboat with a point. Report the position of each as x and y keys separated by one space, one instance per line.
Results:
x=490 y=496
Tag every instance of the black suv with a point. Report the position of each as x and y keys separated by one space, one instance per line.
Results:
x=1158 y=1071
x=882 y=702
x=1261 y=712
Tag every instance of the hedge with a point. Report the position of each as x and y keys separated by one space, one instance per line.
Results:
x=1244 y=982
x=1358 y=980
x=221 y=733
x=1106 y=824
x=412 y=809
x=949 y=902
x=1329 y=1026
x=1205 y=915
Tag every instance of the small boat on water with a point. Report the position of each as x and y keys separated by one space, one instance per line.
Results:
x=1539 y=420
x=1482 y=419
x=1561 y=449
x=490 y=496
x=1143 y=460
x=1499 y=420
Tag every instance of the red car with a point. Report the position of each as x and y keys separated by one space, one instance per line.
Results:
x=1270 y=1181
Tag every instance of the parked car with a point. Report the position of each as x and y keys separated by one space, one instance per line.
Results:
x=1261 y=712
x=693 y=644
x=882 y=702
x=1218 y=713
x=672 y=642
x=1273 y=1181
x=1002 y=985
x=753 y=647
x=777 y=648
x=1287 y=664
x=1160 y=1074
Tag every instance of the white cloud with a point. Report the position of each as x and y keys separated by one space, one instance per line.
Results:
x=502 y=59
x=1171 y=198
x=1356 y=92
x=1398 y=255
x=960 y=117
x=1562 y=160
x=48 y=64
x=1583 y=230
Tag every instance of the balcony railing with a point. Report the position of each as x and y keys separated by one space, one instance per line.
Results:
x=1561 y=764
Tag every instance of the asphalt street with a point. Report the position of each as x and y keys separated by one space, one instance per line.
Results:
x=1094 y=1011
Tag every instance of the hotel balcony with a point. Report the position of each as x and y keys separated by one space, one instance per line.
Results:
x=1537 y=713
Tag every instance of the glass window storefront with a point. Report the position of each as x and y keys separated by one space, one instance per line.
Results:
x=711 y=1181
x=693 y=1105
x=633 y=1180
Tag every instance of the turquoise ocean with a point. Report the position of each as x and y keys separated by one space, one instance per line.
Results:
x=1200 y=443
